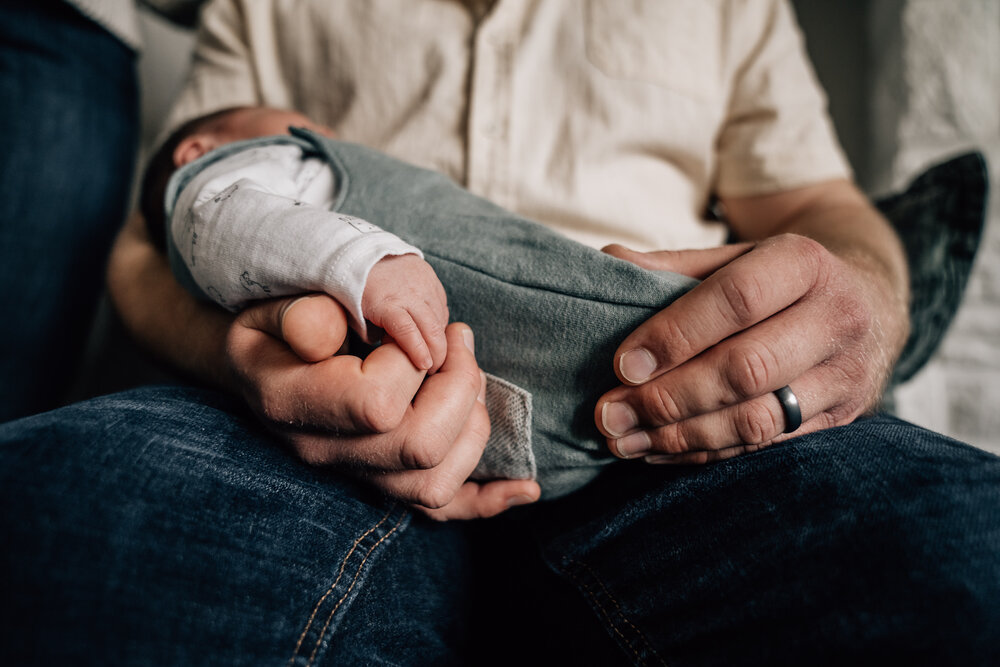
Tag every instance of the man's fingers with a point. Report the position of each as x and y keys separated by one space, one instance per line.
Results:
x=408 y=437
x=746 y=291
x=700 y=457
x=701 y=374
x=753 y=363
x=697 y=264
x=442 y=407
x=427 y=458
x=314 y=326
x=481 y=500
x=424 y=452
x=757 y=422
x=338 y=393
x=266 y=316
x=437 y=486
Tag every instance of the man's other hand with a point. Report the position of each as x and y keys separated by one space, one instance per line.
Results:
x=415 y=437
x=699 y=377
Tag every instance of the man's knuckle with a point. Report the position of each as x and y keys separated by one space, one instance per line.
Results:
x=673 y=439
x=744 y=297
x=311 y=454
x=421 y=453
x=810 y=250
x=661 y=404
x=848 y=371
x=380 y=411
x=815 y=260
x=756 y=423
x=272 y=409
x=840 y=414
x=675 y=344
x=853 y=314
x=852 y=384
x=435 y=495
x=702 y=457
x=749 y=369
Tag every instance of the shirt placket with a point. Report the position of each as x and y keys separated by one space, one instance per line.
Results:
x=490 y=104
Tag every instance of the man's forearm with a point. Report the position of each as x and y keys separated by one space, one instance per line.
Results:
x=187 y=334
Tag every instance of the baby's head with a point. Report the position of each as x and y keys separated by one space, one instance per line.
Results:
x=199 y=136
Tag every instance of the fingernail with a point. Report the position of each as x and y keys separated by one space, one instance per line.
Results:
x=633 y=445
x=637 y=365
x=656 y=459
x=470 y=340
x=618 y=418
x=288 y=306
x=481 y=397
x=519 y=500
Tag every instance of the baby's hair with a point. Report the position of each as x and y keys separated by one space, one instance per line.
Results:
x=160 y=168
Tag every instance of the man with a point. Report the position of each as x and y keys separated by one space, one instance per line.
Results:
x=609 y=126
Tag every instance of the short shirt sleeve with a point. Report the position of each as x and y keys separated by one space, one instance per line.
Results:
x=777 y=133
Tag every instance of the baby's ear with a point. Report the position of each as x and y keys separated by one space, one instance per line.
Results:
x=193 y=147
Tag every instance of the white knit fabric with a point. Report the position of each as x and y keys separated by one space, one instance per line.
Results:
x=258 y=224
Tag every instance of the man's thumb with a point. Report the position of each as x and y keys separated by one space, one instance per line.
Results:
x=697 y=264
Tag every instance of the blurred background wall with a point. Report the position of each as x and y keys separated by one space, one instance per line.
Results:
x=910 y=82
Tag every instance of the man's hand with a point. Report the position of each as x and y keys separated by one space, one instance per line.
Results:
x=416 y=438
x=827 y=317
x=419 y=447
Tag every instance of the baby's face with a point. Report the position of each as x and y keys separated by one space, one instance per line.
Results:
x=261 y=122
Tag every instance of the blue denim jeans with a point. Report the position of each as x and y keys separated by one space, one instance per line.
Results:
x=162 y=526
x=68 y=133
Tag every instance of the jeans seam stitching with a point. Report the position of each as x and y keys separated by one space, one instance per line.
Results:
x=340 y=573
x=361 y=565
x=621 y=612
x=618 y=610
x=604 y=612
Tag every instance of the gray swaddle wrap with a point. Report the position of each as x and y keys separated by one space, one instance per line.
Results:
x=548 y=312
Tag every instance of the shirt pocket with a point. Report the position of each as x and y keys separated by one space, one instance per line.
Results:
x=673 y=44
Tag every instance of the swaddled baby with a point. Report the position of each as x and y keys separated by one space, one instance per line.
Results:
x=248 y=211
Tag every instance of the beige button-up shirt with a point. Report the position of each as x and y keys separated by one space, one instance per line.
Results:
x=608 y=120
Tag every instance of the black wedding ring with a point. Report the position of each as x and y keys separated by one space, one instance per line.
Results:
x=790 y=406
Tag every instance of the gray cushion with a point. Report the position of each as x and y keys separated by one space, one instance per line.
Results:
x=940 y=219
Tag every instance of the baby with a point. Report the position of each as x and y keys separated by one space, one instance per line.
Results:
x=256 y=203
x=277 y=225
